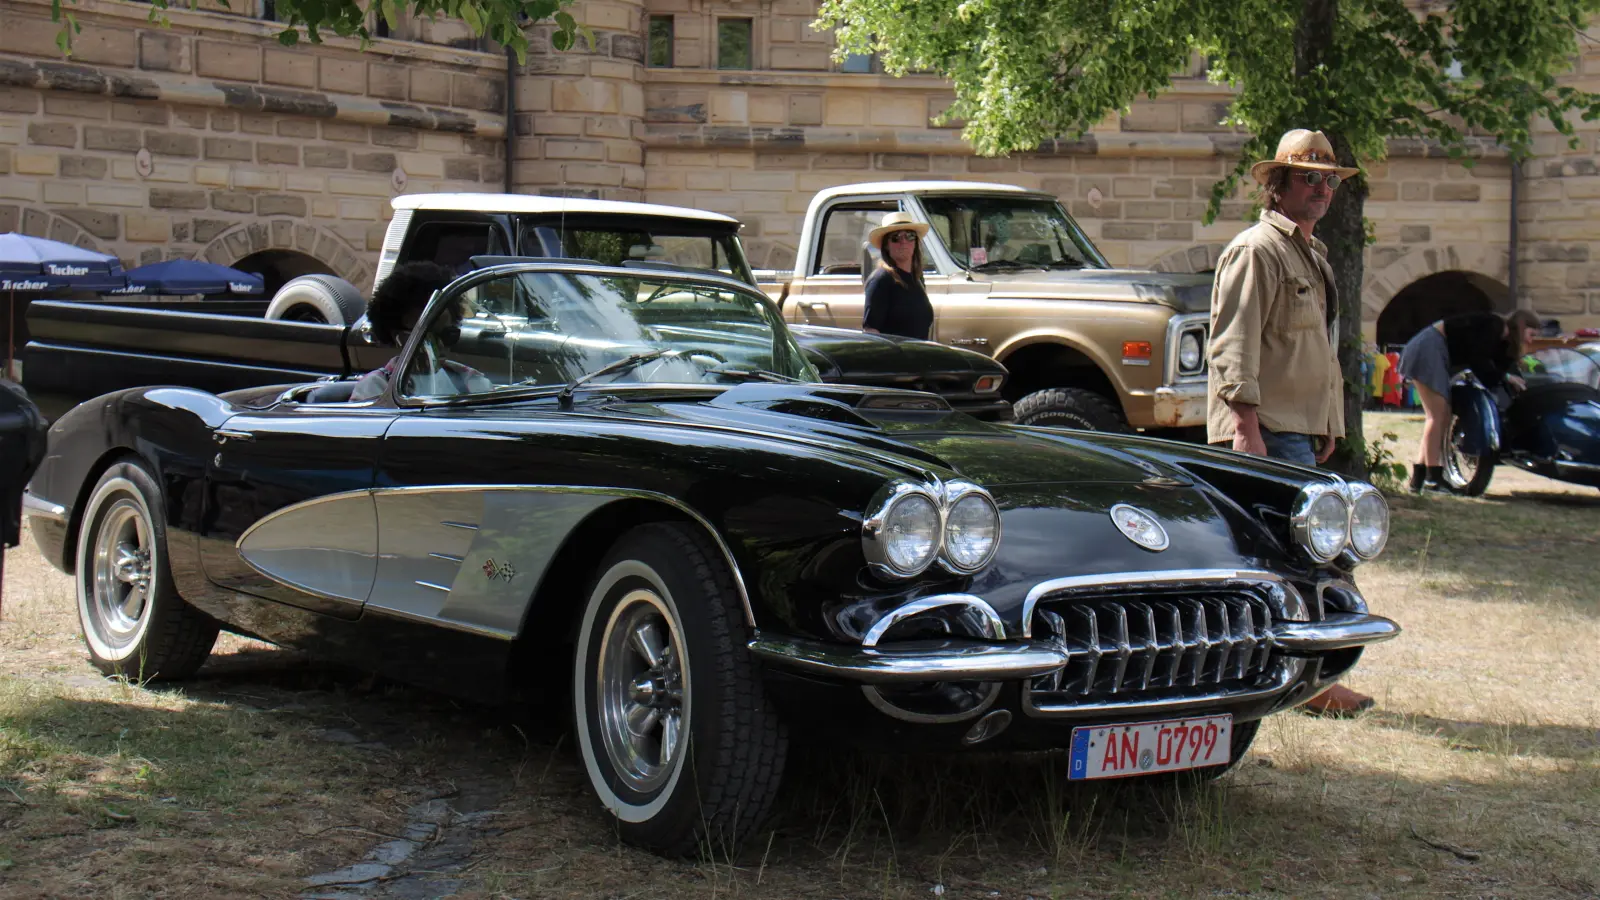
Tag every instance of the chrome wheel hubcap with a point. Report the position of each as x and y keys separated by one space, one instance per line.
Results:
x=122 y=573
x=1459 y=468
x=641 y=686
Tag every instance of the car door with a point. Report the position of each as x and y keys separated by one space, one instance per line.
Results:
x=833 y=289
x=289 y=512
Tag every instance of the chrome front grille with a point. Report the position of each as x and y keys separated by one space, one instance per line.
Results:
x=1155 y=647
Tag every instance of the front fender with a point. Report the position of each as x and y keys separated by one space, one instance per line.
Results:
x=1478 y=419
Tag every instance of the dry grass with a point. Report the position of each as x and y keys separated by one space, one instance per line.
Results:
x=1478 y=776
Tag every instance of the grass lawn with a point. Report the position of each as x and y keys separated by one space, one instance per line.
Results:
x=1477 y=776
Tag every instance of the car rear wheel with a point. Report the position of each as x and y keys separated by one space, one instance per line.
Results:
x=134 y=623
x=674 y=730
x=1465 y=473
x=1069 y=408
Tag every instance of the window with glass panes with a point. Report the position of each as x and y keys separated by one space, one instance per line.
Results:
x=661 y=32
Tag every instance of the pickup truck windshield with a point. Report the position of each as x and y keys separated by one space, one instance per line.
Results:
x=995 y=234
x=637 y=240
x=524 y=330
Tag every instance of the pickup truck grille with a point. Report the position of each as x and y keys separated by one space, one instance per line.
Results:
x=1155 y=647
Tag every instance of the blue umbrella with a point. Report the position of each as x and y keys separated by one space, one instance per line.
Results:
x=190 y=276
x=31 y=264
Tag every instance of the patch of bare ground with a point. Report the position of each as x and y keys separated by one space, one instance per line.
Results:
x=1477 y=776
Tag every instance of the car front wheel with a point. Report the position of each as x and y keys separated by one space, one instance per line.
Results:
x=673 y=726
x=134 y=623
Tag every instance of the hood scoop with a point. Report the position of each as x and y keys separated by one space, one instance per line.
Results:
x=840 y=404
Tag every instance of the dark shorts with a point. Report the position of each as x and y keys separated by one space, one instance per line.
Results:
x=1426 y=361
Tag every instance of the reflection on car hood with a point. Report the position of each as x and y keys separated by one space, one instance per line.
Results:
x=1184 y=293
x=884 y=423
x=844 y=353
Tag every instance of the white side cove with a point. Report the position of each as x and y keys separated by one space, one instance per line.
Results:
x=326 y=547
x=467 y=558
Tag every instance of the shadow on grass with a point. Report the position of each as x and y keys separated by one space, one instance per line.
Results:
x=847 y=824
x=1569 y=742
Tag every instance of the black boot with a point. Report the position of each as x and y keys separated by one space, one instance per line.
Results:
x=1436 y=478
x=1419 y=474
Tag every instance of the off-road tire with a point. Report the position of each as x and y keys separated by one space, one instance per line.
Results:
x=1455 y=480
x=1070 y=408
x=167 y=639
x=313 y=298
x=719 y=787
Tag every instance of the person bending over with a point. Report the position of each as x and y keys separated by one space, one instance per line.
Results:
x=397 y=305
x=1485 y=343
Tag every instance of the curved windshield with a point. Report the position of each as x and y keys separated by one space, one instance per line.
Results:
x=995 y=234
x=1559 y=365
x=533 y=329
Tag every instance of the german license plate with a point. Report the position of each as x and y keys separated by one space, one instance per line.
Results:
x=1115 y=751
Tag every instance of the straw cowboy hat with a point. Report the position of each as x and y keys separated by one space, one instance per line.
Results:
x=895 y=221
x=1302 y=149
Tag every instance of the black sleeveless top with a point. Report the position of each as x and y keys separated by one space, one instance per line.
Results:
x=895 y=308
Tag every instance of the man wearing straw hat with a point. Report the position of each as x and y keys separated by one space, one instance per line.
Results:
x=1275 y=387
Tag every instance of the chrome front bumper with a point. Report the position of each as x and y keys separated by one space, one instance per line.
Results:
x=1179 y=405
x=973 y=660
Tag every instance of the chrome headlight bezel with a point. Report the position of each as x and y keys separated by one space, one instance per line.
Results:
x=957 y=492
x=873 y=527
x=1361 y=491
x=1300 y=519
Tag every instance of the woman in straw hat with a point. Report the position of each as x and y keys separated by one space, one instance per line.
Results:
x=897 y=302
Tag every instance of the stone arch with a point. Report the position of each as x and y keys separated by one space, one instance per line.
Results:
x=328 y=248
x=1382 y=285
x=69 y=226
x=1199 y=258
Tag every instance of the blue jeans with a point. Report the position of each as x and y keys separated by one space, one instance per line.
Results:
x=1289 y=447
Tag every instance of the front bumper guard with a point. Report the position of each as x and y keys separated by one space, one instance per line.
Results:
x=971 y=660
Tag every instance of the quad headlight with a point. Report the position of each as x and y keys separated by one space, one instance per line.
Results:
x=1321 y=521
x=912 y=526
x=1369 y=520
x=1330 y=519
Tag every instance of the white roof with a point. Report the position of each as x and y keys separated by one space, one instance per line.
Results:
x=529 y=203
x=920 y=187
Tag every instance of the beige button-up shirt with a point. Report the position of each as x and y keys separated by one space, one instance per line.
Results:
x=1273 y=319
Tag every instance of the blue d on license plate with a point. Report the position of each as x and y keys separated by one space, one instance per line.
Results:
x=1140 y=748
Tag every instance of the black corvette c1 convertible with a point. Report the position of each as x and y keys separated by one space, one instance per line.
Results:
x=628 y=489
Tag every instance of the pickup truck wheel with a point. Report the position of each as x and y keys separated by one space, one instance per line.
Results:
x=674 y=730
x=317 y=298
x=1069 y=408
x=134 y=622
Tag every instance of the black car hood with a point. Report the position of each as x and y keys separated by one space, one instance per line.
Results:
x=848 y=354
x=908 y=429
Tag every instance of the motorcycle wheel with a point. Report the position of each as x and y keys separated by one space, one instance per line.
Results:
x=1464 y=473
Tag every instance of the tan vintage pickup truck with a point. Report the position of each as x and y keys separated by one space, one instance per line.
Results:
x=1012 y=275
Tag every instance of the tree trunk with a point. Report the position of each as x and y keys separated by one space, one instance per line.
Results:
x=1343 y=229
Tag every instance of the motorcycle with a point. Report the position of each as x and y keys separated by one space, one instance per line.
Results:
x=1552 y=428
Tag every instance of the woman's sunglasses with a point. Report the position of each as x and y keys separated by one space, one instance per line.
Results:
x=1315 y=178
x=903 y=237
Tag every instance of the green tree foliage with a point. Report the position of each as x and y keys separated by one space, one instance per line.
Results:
x=501 y=20
x=1030 y=72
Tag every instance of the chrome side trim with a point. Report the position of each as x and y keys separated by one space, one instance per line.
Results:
x=1335 y=632
x=429 y=584
x=1283 y=675
x=994 y=628
x=1567 y=465
x=913 y=661
x=680 y=506
x=451 y=624
x=447 y=557
x=1294 y=603
x=37 y=506
x=467 y=525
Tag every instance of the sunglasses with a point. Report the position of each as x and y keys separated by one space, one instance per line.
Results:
x=1315 y=178
x=903 y=237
